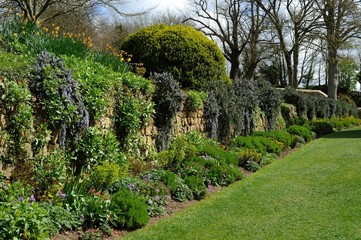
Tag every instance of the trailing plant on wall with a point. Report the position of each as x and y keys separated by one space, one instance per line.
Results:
x=168 y=100
x=212 y=112
x=298 y=99
x=246 y=96
x=57 y=95
x=269 y=102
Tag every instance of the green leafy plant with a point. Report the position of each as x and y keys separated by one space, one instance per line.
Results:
x=15 y=102
x=196 y=184
x=95 y=147
x=179 y=190
x=62 y=219
x=252 y=166
x=50 y=173
x=195 y=100
x=23 y=218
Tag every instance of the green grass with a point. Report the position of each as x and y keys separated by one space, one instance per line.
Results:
x=314 y=193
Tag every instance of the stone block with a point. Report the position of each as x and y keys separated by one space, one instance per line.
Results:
x=192 y=114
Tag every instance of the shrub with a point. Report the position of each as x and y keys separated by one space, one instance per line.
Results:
x=279 y=135
x=104 y=175
x=249 y=155
x=262 y=144
x=95 y=147
x=356 y=98
x=298 y=99
x=301 y=131
x=195 y=100
x=323 y=109
x=184 y=52
x=130 y=210
x=321 y=127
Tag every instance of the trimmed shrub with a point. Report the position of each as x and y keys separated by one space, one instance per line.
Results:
x=132 y=212
x=186 y=53
x=301 y=131
x=321 y=127
x=279 y=135
x=262 y=144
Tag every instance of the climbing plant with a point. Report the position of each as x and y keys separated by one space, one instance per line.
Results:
x=168 y=100
x=58 y=97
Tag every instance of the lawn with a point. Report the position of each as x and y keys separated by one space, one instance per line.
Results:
x=314 y=193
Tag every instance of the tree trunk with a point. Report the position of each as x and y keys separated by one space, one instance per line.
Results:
x=332 y=73
x=235 y=70
x=289 y=69
x=295 y=60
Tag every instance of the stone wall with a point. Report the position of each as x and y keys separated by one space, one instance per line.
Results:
x=184 y=122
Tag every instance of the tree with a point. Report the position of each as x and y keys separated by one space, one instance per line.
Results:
x=228 y=23
x=347 y=74
x=293 y=22
x=43 y=10
x=341 y=19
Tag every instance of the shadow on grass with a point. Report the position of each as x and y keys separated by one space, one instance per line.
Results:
x=344 y=134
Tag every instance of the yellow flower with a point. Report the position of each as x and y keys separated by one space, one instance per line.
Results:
x=15 y=35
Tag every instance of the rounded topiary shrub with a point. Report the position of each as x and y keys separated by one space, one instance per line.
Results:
x=186 y=53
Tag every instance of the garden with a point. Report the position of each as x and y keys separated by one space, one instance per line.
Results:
x=71 y=152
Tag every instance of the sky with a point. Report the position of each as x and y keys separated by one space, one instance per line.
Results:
x=161 y=5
